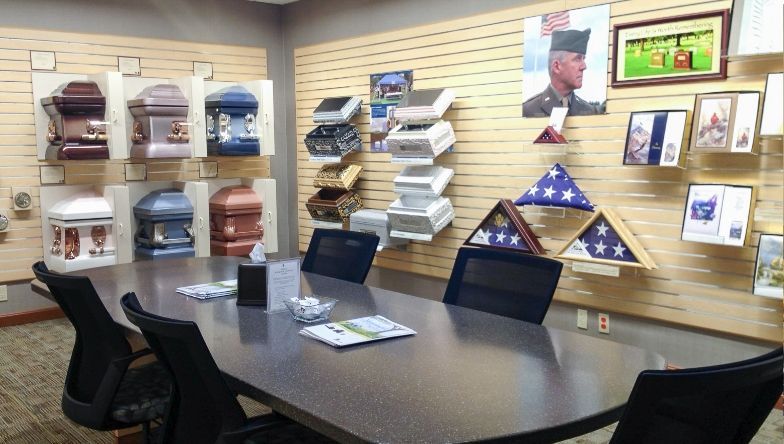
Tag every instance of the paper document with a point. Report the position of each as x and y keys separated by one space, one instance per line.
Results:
x=211 y=290
x=356 y=331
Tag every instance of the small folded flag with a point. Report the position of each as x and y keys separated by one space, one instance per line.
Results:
x=555 y=189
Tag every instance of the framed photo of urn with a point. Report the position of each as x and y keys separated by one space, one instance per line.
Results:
x=725 y=122
x=672 y=49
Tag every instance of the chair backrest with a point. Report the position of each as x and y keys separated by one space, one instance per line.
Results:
x=99 y=340
x=202 y=405
x=718 y=404
x=340 y=254
x=505 y=283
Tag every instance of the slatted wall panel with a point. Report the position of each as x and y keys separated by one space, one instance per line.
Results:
x=76 y=53
x=480 y=57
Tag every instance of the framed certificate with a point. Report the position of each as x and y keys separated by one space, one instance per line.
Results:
x=725 y=122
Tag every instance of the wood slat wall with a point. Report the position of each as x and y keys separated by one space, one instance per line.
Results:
x=80 y=53
x=480 y=57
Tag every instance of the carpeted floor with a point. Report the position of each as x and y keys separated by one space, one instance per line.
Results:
x=33 y=362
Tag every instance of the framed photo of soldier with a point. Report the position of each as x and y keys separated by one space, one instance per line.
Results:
x=725 y=122
x=565 y=61
x=669 y=50
x=655 y=138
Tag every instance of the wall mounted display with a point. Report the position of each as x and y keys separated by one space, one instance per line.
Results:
x=717 y=214
x=333 y=140
x=419 y=215
x=375 y=222
x=550 y=135
x=243 y=128
x=769 y=269
x=756 y=27
x=654 y=138
x=235 y=221
x=420 y=139
x=773 y=107
x=555 y=189
x=79 y=116
x=333 y=205
x=160 y=129
x=423 y=180
x=232 y=128
x=577 y=79
x=264 y=192
x=604 y=239
x=340 y=176
x=671 y=49
x=505 y=228
x=424 y=104
x=85 y=226
x=724 y=122
x=337 y=109
x=386 y=91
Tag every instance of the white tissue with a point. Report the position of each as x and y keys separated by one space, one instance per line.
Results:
x=257 y=254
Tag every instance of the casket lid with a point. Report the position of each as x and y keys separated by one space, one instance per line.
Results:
x=163 y=94
x=234 y=96
x=235 y=197
x=159 y=202
x=81 y=206
x=76 y=91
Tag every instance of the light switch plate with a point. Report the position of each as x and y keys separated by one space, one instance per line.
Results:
x=582 y=319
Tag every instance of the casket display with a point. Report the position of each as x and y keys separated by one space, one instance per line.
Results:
x=77 y=129
x=420 y=139
x=423 y=180
x=423 y=215
x=337 y=109
x=331 y=205
x=341 y=176
x=375 y=222
x=333 y=140
x=82 y=233
x=235 y=221
x=165 y=229
x=232 y=128
x=160 y=127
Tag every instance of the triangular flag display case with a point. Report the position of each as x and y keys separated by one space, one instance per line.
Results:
x=550 y=135
x=505 y=228
x=555 y=189
x=604 y=239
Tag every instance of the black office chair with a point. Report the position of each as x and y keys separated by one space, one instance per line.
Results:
x=100 y=391
x=341 y=254
x=505 y=283
x=718 y=404
x=203 y=408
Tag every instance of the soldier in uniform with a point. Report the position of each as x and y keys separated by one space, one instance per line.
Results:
x=566 y=64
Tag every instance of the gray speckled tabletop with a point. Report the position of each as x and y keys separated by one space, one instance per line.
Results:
x=466 y=376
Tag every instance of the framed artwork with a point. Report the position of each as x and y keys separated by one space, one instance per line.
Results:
x=504 y=228
x=668 y=50
x=654 y=138
x=386 y=90
x=769 y=269
x=773 y=107
x=756 y=27
x=565 y=56
x=717 y=214
x=724 y=122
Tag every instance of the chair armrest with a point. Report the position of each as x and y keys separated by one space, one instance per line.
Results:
x=254 y=425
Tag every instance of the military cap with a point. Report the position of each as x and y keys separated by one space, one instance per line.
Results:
x=570 y=40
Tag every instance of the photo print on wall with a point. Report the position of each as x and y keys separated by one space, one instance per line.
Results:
x=386 y=91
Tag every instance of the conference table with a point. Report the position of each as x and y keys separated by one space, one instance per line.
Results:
x=466 y=376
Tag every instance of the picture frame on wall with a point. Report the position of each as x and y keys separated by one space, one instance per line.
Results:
x=683 y=48
x=769 y=268
x=725 y=122
x=655 y=138
x=717 y=214
x=756 y=27
x=772 y=123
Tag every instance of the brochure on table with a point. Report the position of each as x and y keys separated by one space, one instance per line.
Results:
x=356 y=331
x=283 y=283
x=210 y=290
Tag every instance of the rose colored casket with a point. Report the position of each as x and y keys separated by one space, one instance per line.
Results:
x=231 y=122
x=235 y=221
x=76 y=122
x=82 y=233
x=164 y=230
x=160 y=128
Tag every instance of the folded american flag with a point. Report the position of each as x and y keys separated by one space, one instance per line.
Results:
x=555 y=189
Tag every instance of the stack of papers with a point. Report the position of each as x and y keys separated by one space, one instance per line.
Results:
x=211 y=290
x=337 y=109
x=356 y=331
x=424 y=104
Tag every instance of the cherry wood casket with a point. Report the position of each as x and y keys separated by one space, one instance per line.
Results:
x=235 y=221
x=77 y=129
x=160 y=127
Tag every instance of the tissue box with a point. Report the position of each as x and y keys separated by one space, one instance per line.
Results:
x=164 y=225
x=235 y=221
x=82 y=238
x=160 y=127
x=375 y=222
x=427 y=181
x=423 y=215
x=231 y=122
x=330 y=205
x=333 y=140
x=420 y=139
x=340 y=176
x=76 y=122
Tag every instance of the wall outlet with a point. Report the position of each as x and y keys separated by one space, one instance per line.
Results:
x=604 y=323
x=3 y=293
x=582 y=319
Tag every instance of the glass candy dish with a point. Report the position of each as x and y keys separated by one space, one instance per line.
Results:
x=310 y=308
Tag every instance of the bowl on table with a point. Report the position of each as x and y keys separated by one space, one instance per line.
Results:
x=311 y=308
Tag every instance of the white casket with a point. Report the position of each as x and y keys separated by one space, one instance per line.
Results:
x=375 y=222
x=420 y=139
x=81 y=233
x=423 y=215
x=423 y=180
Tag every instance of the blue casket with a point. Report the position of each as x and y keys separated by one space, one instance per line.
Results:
x=164 y=219
x=231 y=122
